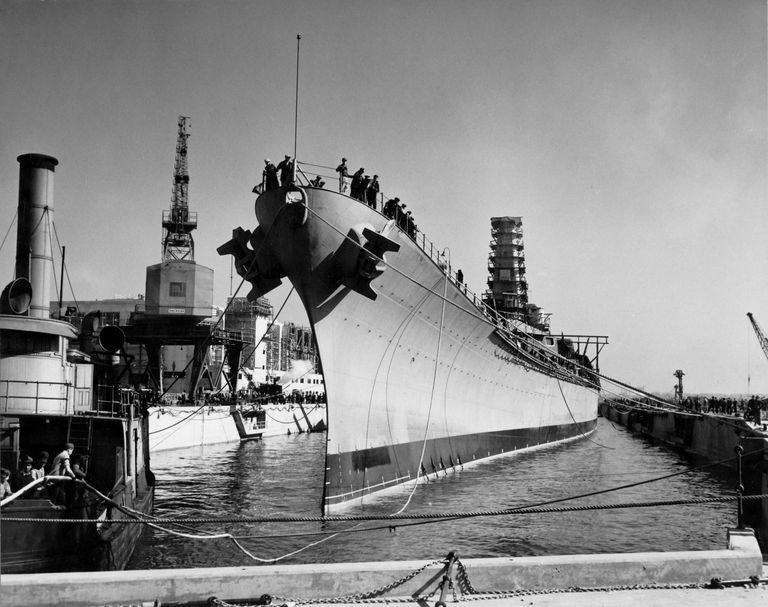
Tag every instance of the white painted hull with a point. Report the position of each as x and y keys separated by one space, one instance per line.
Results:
x=179 y=427
x=417 y=378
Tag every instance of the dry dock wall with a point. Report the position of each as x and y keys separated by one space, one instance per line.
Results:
x=740 y=560
x=713 y=438
x=709 y=436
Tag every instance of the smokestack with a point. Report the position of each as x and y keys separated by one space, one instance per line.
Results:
x=33 y=242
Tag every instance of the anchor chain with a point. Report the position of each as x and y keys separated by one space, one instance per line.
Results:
x=363 y=596
x=462 y=589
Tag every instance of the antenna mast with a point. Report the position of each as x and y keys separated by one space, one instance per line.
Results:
x=296 y=108
x=179 y=222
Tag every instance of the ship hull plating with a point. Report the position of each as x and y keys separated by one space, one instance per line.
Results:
x=417 y=379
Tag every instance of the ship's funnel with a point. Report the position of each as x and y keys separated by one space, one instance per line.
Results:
x=16 y=297
x=97 y=339
x=33 y=236
x=111 y=338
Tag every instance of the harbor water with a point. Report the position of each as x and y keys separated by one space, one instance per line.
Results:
x=284 y=476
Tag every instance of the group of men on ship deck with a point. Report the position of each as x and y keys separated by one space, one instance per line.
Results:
x=359 y=186
x=364 y=189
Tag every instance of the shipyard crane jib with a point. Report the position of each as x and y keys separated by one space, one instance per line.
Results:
x=759 y=333
x=179 y=222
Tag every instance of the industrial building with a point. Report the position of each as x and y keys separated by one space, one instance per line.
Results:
x=176 y=340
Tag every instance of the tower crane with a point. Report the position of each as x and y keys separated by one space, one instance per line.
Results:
x=759 y=333
x=178 y=223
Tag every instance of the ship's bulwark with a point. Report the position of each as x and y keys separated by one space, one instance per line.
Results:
x=410 y=364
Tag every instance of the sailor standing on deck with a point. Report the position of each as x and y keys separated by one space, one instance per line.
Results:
x=372 y=191
x=401 y=217
x=286 y=170
x=410 y=225
x=60 y=466
x=343 y=176
x=363 y=188
x=390 y=207
x=269 y=176
x=357 y=180
x=23 y=476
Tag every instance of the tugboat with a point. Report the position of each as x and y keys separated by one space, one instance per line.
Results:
x=58 y=392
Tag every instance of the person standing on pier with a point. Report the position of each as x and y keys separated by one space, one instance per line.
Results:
x=343 y=176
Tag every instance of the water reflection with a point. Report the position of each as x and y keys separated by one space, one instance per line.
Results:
x=284 y=475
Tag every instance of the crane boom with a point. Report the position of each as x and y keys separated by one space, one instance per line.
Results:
x=179 y=222
x=759 y=333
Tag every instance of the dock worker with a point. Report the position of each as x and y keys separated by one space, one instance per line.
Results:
x=372 y=191
x=269 y=176
x=343 y=176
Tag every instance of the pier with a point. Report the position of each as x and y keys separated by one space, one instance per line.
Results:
x=702 y=576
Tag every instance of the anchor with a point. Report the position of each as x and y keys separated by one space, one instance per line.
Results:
x=361 y=257
x=254 y=261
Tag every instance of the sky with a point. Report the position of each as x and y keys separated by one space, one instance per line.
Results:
x=630 y=136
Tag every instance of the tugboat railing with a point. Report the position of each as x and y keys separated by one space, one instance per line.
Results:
x=16 y=397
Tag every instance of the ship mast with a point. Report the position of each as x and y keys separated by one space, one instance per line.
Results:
x=178 y=223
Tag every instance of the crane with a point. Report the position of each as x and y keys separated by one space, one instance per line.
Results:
x=759 y=333
x=179 y=222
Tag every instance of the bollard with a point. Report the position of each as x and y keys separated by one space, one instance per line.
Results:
x=447 y=581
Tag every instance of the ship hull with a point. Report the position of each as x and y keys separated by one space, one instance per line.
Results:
x=417 y=378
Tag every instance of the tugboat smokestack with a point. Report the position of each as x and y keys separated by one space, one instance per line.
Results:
x=33 y=242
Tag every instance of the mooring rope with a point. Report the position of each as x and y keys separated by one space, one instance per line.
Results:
x=578 y=425
x=435 y=516
x=431 y=398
